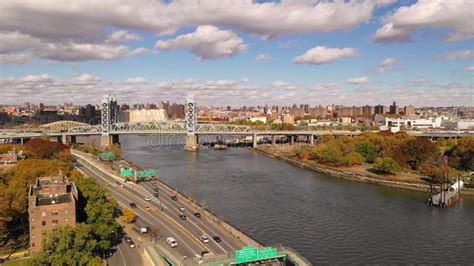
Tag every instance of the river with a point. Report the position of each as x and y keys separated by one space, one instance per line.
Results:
x=326 y=219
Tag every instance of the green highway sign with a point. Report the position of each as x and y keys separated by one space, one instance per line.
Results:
x=146 y=173
x=246 y=254
x=107 y=155
x=126 y=172
x=267 y=253
x=252 y=254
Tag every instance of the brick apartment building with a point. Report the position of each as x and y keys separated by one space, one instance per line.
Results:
x=52 y=203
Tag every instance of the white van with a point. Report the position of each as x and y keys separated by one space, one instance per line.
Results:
x=171 y=242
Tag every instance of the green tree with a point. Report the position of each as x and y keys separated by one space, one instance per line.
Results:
x=70 y=246
x=461 y=156
x=387 y=165
x=417 y=150
x=128 y=215
x=368 y=150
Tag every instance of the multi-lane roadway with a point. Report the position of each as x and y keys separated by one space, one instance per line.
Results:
x=162 y=214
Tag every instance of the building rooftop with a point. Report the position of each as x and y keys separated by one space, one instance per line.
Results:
x=42 y=200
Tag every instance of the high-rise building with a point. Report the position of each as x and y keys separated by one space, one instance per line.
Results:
x=368 y=110
x=394 y=109
x=380 y=109
x=51 y=203
x=409 y=110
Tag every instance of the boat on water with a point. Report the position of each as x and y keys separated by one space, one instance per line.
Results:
x=220 y=147
x=447 y=196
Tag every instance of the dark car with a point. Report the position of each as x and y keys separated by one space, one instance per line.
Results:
x=127 y=238
x=197 y=214
x=155 y=189
x=217 y=239
x=204 y=253
x=175 y=198
x=182 y=216
x=133 y=205
x=156 y=195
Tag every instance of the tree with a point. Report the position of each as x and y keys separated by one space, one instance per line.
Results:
x=128 y=215
x=461 y=156
x=70 y=246
x=417 y=150
x=387 y=165
x=45 y=149
x=368 y=150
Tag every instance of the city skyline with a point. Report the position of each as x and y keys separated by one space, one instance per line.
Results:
x=349 y=53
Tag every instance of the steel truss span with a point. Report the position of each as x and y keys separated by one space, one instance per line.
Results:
x=141 y=127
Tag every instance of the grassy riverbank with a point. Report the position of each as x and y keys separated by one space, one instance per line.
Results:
x=360 y=173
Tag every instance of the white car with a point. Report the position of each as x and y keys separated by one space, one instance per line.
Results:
x=147 y=199
x=171 y=242
x=181 y=208
x=204 y=238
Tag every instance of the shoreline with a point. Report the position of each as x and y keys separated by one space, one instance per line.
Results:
x=340 y=173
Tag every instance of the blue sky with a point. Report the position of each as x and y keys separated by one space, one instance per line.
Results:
x=429 y=45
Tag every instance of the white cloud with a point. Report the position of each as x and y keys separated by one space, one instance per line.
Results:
x=44 y=78
x=138 y=51
x=456 y=55
x=456 y=15
x=80 y=52
x=137 y=80
x=382 y=66
x=80 y=20
x=262 y=57
x=322 y=55
x=359 y=80
x=86 y=78
x=18 y=59
x=469 y=68
x=283 y=84
x=207 y=42
x=16 y=42
x=48 y=89
x=122 y=36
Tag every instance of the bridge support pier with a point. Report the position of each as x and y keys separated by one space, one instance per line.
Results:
x=191 y=143
x=311 y=139
x=292 y=139
x=64 y=139
x=254 y=140
x=273 y=140
x=107 y=140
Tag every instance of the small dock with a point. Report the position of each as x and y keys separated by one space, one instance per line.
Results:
x=445 y=196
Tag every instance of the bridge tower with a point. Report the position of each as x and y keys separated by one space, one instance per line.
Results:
x=191 y=121
x=108 y=117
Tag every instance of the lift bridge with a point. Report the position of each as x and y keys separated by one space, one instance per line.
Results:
x=109 y=128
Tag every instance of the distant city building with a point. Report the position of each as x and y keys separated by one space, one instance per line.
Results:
x=288 y=119
x=368 y=110
x=409 y=110
x=52 y=202
x=143 y=115
x=380 y=109
x=10 y=157
x=458 y=124
x=173 y=110
x=396 y=124
x=394 y=109
x=297 y=112
x=318 y=112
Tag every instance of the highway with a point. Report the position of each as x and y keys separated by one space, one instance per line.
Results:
x=163 y=217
